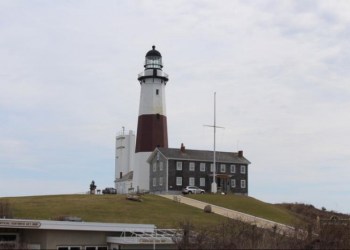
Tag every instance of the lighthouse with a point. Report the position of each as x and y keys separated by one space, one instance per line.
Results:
x=152 y=129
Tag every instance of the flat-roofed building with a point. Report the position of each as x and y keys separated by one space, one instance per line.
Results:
x=68 y=235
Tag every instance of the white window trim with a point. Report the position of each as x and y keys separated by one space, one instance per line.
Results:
x=178 y=181
x=154 y=166
x=154 y=182
x=202 y=167
x=161 y=166
x=233 y=183
x=202 y=182
x=211 y=167
x=179 y=165
x=243 y=169
x=190 y=183
x=243 y=184
x=233 y=167
x=160 y=181
x=191 y=166
x=223 y=167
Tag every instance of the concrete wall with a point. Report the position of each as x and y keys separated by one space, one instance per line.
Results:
x=124 y=153
x=141 y=171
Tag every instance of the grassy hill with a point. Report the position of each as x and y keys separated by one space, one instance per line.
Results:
x=156 y=210
x=249 y=205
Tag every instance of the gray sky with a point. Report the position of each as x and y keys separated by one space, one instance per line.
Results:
x=68 y=83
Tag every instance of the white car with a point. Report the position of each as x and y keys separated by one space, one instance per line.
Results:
x=193 y=190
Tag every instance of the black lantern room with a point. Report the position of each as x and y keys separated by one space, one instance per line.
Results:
x=153 y=59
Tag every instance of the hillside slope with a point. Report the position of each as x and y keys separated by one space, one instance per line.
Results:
x=252 y=206
x=108 y=208
x=154 y=209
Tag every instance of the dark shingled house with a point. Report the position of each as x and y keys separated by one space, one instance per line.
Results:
x=172 y=169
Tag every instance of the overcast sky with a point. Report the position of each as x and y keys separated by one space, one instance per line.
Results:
x=281 y=70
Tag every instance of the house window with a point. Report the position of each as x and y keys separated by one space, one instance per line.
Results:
x=222 y=168
x=211 y=167
x=160 y=181
x=69 y=248
x=242 y=183
x=242 y=169
x=202 y=167
x=191 y=168
x=95 y=248
x=161 y=166
x=157 y=91
x=202 y=182
x=179 y=165
x=154 y=182
x=191 y=181
x=178 y=181
x=154 y=167
x=233 y=169
x=233 y=183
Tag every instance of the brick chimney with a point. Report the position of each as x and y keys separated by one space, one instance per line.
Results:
x=182 y=148
x=240 y=153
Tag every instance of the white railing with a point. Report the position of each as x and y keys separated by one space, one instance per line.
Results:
x=150 y=73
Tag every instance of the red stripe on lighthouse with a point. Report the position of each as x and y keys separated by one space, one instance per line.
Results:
x=152 y=132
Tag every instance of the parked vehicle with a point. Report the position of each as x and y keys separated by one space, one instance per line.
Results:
x=192 y=190
x=109 y=190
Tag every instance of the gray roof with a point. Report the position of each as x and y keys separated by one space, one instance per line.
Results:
x=126 y=177
x=201 y=155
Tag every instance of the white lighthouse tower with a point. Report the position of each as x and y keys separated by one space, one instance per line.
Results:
x=152 y=129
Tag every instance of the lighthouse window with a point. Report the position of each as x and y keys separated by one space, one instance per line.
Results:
x=157 y=91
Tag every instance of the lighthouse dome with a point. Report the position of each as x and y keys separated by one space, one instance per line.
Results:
x=153 y=52
x=153 y=59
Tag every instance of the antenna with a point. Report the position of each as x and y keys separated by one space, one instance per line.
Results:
x=214 y=185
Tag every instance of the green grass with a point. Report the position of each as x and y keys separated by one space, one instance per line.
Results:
x=249 y=205
x=156 y=210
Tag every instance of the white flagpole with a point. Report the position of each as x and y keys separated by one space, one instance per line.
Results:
x=214 y=185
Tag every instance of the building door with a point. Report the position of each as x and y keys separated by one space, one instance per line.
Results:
x=223 y=184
